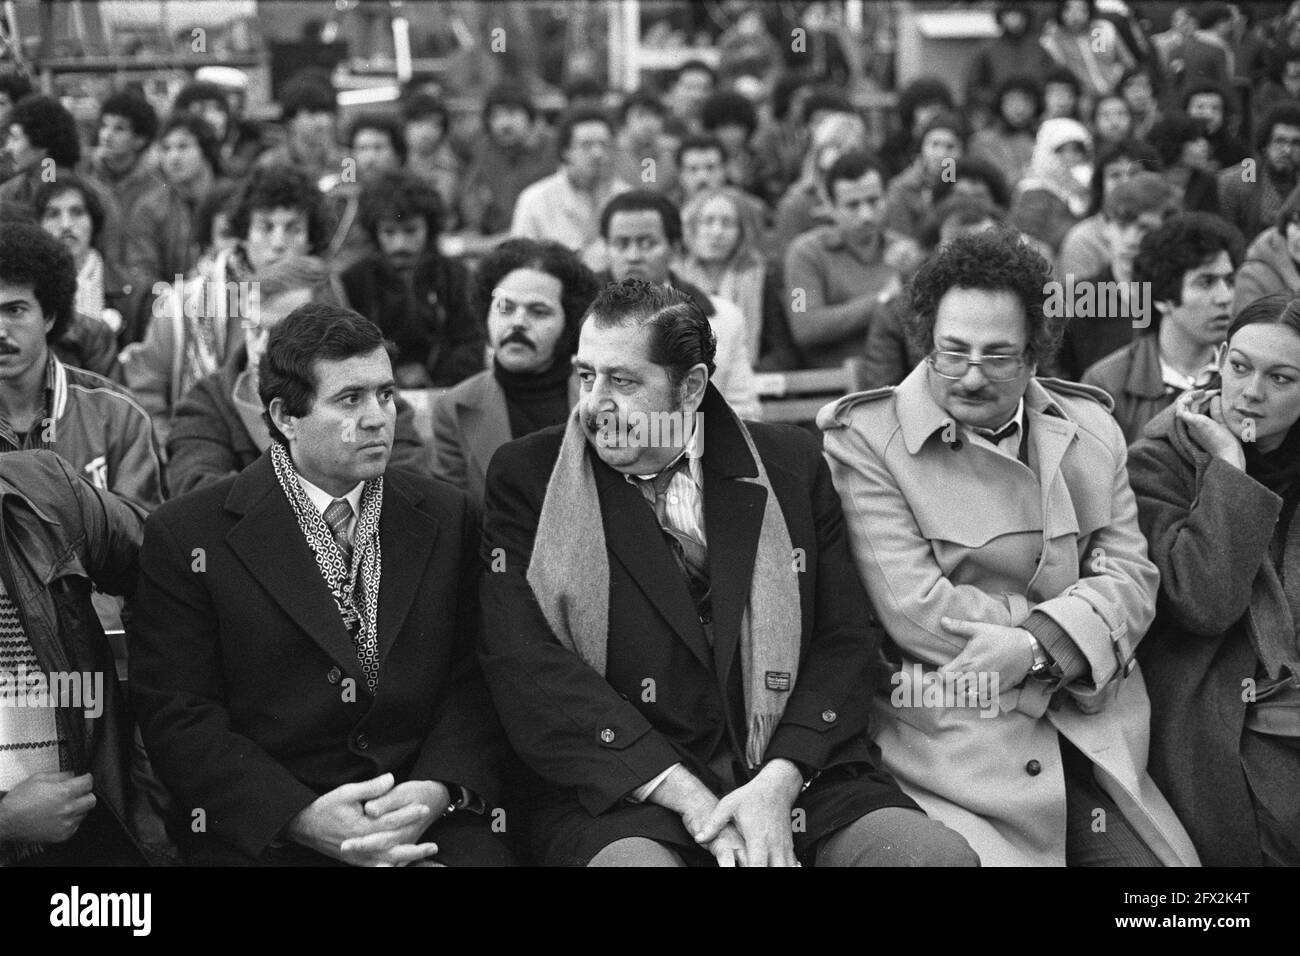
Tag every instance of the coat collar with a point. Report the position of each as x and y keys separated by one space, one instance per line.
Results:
x=1144 y=376
x=268 y=541
x=920 y=416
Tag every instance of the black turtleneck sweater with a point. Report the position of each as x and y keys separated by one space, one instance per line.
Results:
x=535 y=400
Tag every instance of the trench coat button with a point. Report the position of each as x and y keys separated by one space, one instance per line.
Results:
x=363 y=741
x=334 y=675
x=607 y=736
x=829 y=716
x=1033 y=768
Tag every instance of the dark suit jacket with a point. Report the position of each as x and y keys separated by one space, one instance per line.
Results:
x=250 y=695
x=594 y=740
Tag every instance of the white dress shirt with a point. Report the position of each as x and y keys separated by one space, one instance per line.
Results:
x=321 y=499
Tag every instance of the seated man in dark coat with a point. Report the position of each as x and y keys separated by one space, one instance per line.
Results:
x=419 y=298
x=684 y=697
x=303 y=643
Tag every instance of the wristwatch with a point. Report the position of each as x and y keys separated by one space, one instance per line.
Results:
x=1044 y=667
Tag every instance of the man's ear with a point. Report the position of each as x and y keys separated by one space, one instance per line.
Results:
x=694 y=384
x=288 y=424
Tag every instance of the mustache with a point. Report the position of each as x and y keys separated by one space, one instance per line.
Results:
x=517 y=336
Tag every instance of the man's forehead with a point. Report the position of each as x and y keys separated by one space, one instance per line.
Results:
x=279 y=213
x=604 y=346
x=11 y=292
x=371 y=369
x=640 y=222
x=1217 y=265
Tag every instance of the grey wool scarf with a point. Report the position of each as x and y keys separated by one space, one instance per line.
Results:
x=569 y=575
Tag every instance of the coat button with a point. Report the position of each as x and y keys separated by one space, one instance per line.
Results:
x=334 y=675
x=362 y=741
x=829 y=716
x=1033 y=768
x=607 y=736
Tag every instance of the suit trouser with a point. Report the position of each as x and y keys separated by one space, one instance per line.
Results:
x=1096 y=832
x=890 y=836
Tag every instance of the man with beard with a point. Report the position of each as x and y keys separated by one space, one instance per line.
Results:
x=1252 y=192
x=840 y=277
x=1189 y=264
x=684 y=692
x=416 y=295
x=534 y=295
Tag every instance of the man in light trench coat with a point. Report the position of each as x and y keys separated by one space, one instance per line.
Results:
x=992 y=522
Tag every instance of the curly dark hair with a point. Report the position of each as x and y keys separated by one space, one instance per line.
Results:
x=728 y=108
x=279 y=187
x=679 y=337
x=1181 y=244
x=578 y=284
x=50 y=127
x=997 y=260
x=311 y=332
x=45 y=193
x=399 y=194
x=31 y=256
x=135 y=109
x=204 y=135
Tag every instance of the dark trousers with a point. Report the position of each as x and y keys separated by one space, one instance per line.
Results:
x=1096 y=833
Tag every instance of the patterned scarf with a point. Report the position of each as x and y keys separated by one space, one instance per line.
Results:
x=361 y=619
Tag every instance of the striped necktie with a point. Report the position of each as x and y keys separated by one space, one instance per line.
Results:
x=337 y=516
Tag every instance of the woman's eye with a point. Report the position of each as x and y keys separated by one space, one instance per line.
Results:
x=1237 y=367
x=1282 y=379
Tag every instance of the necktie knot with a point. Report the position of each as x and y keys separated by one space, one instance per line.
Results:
x=337 y=516
x=1003 y=433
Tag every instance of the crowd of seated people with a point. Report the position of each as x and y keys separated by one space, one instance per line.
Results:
x=344 y=349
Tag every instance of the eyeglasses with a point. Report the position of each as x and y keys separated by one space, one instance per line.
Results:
x=1285 y=142
x=997 y=368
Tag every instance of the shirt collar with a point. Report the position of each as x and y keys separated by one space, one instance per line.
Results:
x=694 y=452
x=1175 y=379
x=1018 y=418
x=320 y=498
